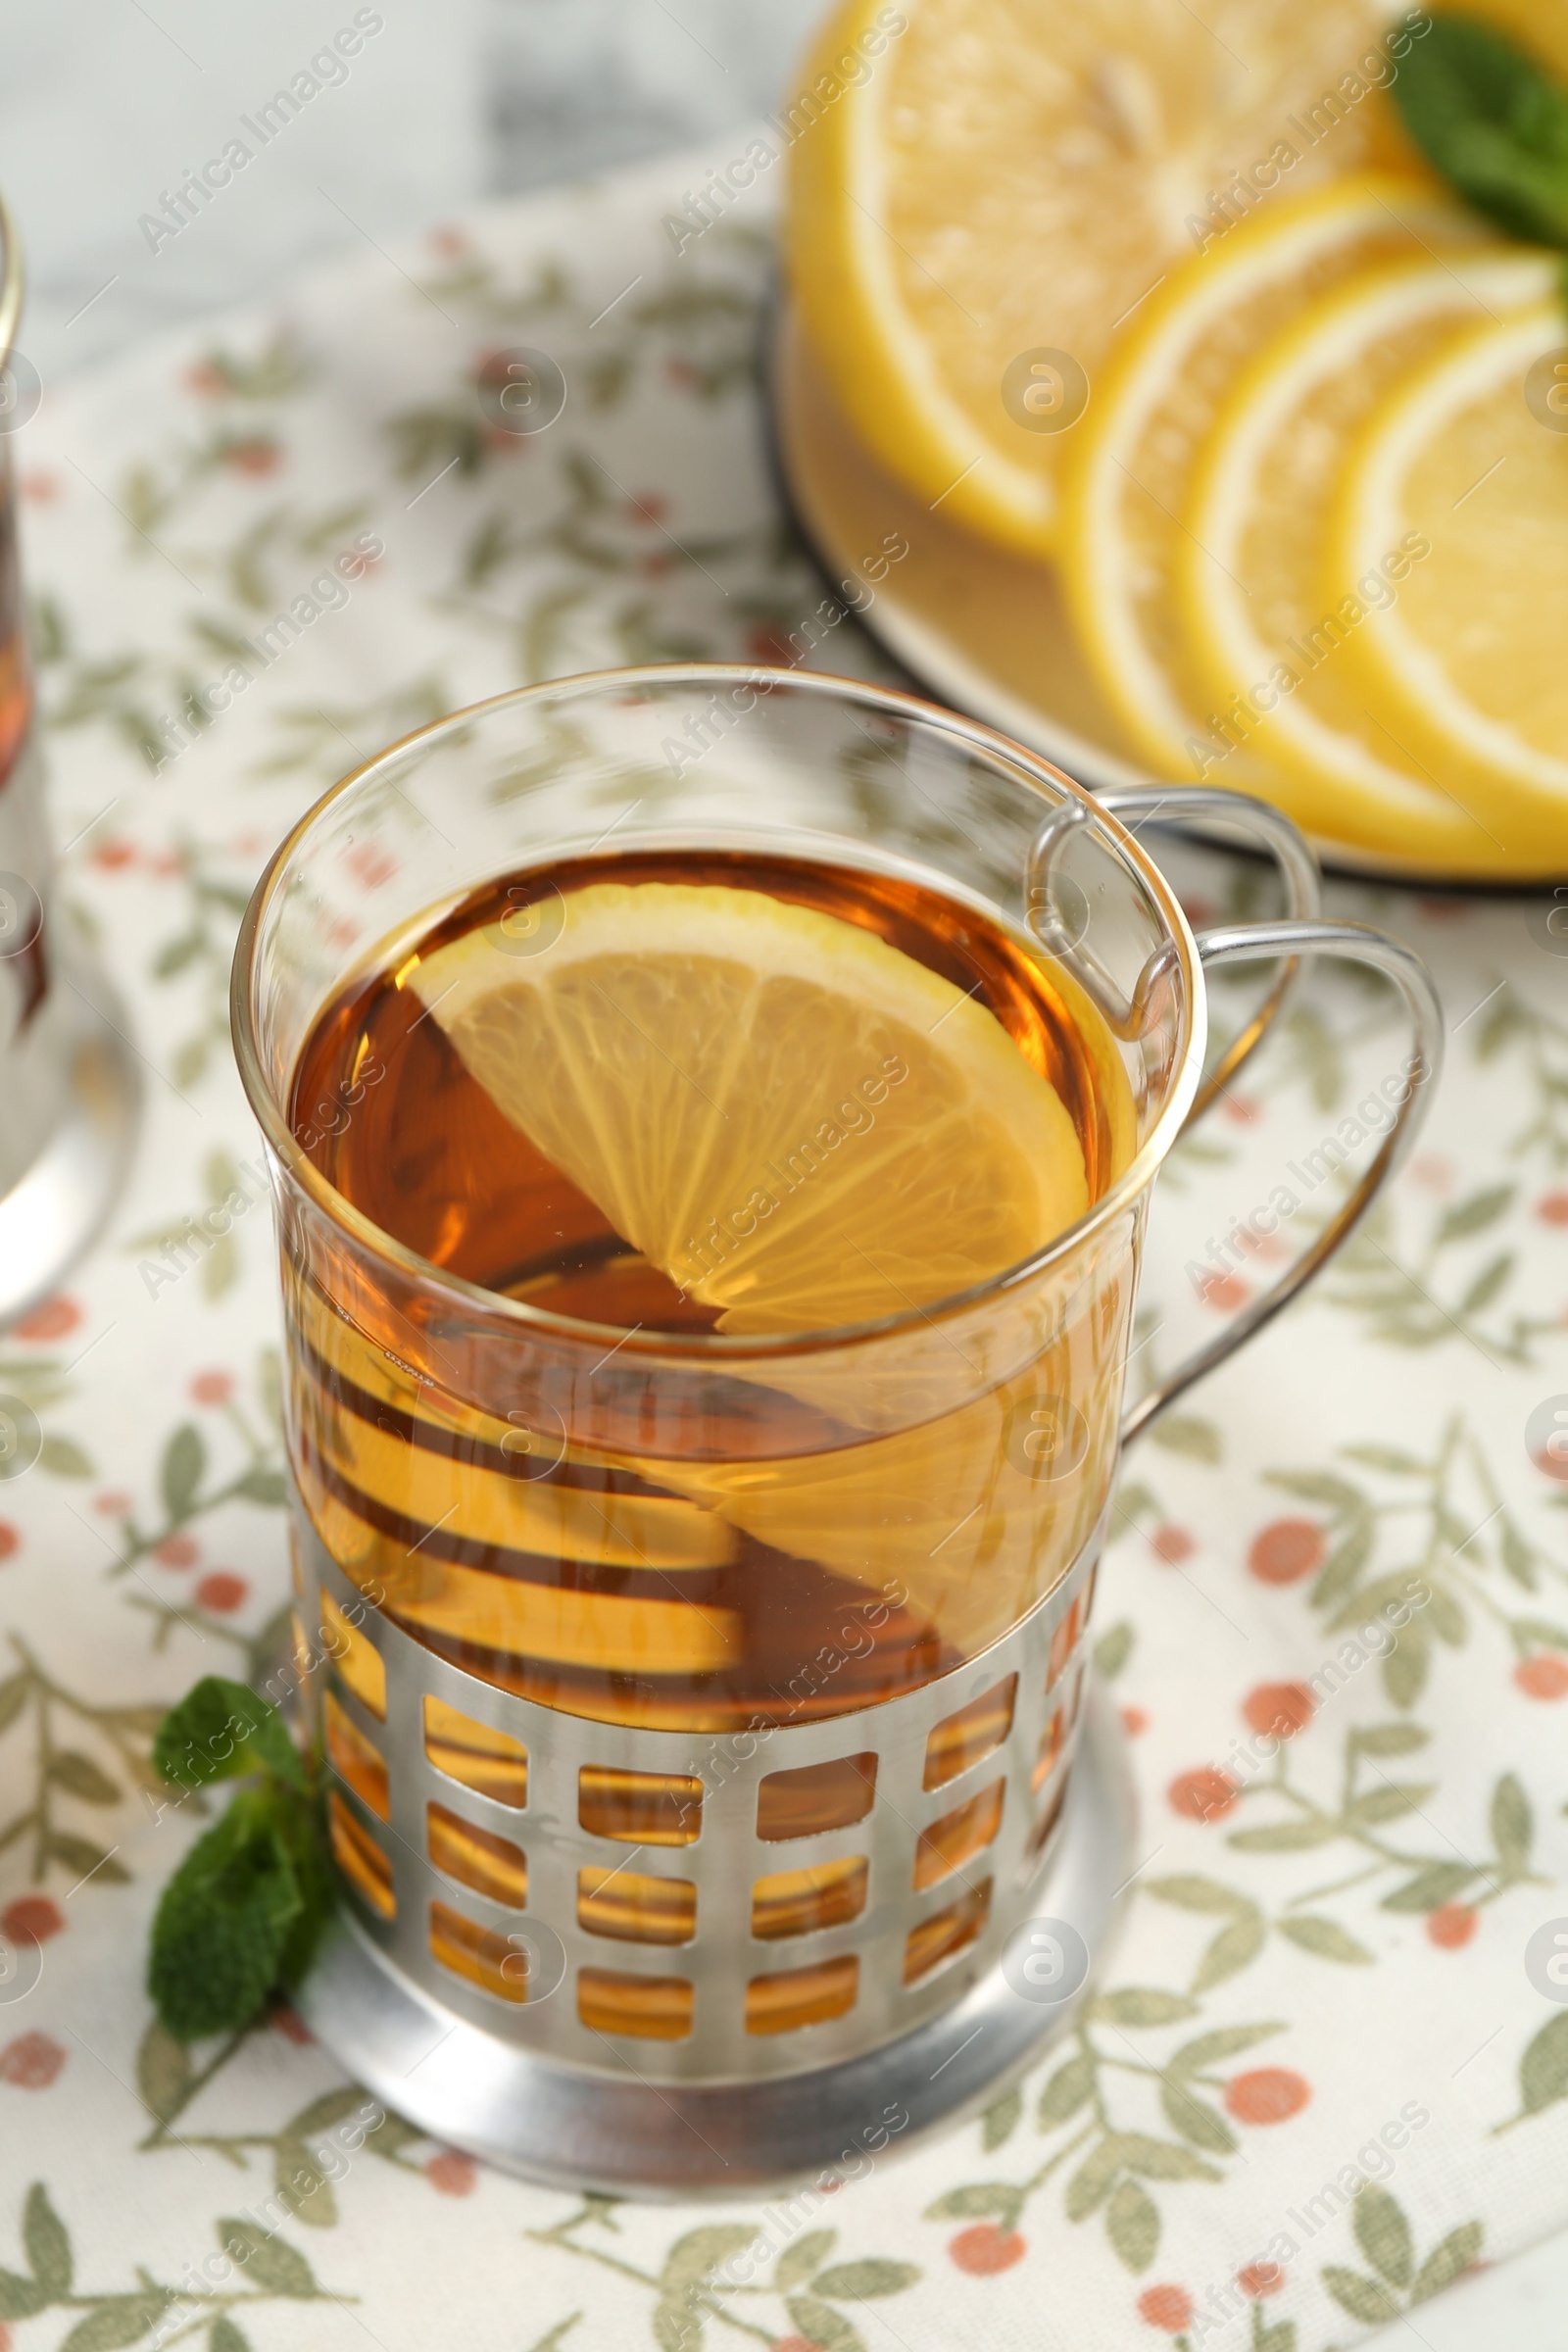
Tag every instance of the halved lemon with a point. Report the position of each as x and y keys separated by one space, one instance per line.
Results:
x=791 y=1118
x=973 y=182
x=1129 y=477
x=1470 y=454
x=1273 y=625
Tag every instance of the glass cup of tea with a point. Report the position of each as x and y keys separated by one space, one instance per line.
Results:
x=68 y=1090
x=714 y=1115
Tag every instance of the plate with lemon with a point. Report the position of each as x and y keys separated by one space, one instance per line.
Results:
x=1212 y=369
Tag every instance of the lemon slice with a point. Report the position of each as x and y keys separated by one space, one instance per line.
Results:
x=1130 y=472
x=975 y=182
x=951 y=1515
x=1270 y=620
x=1472 y=454
x=794 y=1120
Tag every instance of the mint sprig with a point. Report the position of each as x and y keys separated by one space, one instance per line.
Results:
x=1494 y=122
x=240 y=1917
x=220 y=1730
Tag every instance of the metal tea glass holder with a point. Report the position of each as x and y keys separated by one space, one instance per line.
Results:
x=985 y=1816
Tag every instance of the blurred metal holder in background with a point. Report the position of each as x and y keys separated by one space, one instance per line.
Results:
x=68 y=1087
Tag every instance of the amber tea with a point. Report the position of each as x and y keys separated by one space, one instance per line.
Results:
x=714 y=1093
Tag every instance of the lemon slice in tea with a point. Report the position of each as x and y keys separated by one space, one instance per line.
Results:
x=797 y=1122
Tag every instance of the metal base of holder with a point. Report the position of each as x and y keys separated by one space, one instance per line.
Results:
x=54 y=1211
x=615 y=2132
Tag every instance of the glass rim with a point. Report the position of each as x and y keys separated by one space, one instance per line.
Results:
x=696 y=1347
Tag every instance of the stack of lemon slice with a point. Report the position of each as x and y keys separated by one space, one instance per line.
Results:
x=1308 y=501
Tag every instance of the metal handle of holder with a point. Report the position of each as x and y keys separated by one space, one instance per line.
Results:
x=1267 y=827
x=1356 y=942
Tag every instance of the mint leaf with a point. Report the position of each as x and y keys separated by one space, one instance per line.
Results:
x=1493 y=121
x=223 y=1922
x=241 y=1915
x=220 y=1730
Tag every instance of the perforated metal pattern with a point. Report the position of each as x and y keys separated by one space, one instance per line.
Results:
x=723 y=1957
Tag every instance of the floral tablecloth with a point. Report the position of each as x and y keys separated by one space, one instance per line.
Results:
x=1323 y=2075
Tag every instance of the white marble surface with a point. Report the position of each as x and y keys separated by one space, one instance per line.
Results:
x=105 y=103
